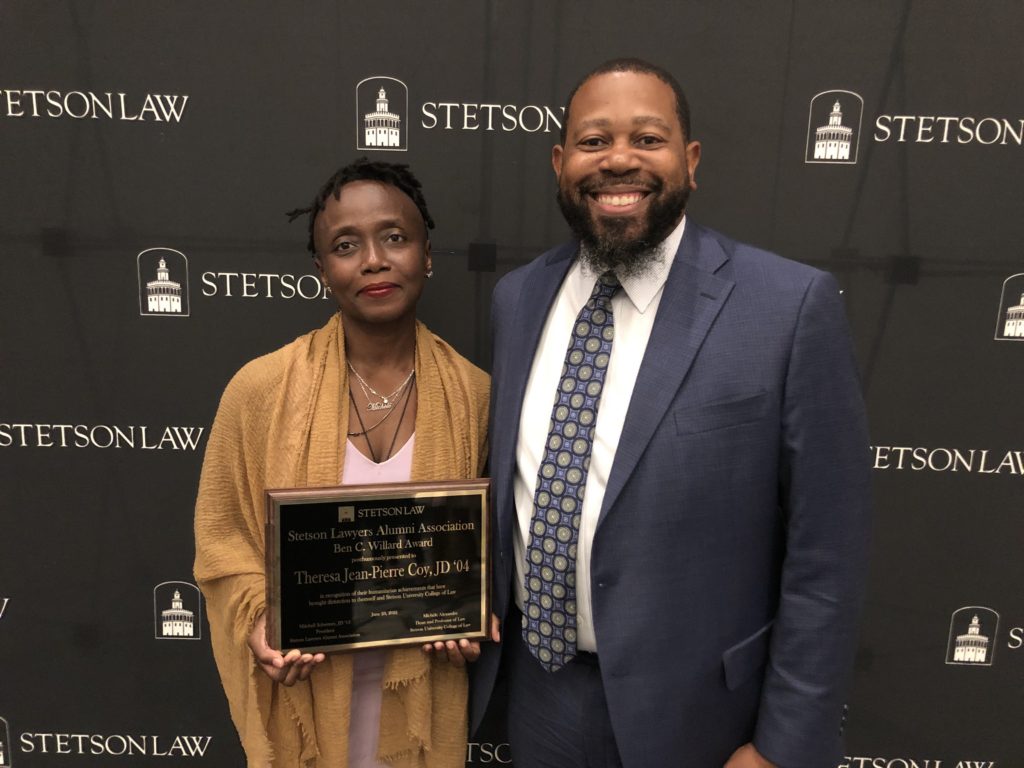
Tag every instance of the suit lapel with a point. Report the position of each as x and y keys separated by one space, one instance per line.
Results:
x=539 y=289
x=691 y=301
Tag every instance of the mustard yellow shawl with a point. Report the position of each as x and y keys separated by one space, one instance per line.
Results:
x=281 y=423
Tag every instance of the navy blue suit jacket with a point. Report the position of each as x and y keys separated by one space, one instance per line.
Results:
x=729 y=559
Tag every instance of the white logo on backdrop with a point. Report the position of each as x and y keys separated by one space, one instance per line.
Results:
x=163 y=283
x=833 y=127
x=972 y=634
x=1010 y=321
x=382 y=111
x=5 y=744
x=89 y=105
x=176 y=606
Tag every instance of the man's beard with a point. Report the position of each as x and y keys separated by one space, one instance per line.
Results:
x=608 y=243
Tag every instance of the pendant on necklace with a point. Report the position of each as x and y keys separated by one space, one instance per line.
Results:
x=383 y=405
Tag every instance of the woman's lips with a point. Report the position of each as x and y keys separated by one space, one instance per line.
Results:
x=378 y=290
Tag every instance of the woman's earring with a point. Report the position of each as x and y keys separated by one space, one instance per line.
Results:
x=327 y=288
x=430 y=273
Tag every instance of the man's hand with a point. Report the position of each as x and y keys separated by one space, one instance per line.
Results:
x=281 y=668
x=747 y=756
x=465 y=650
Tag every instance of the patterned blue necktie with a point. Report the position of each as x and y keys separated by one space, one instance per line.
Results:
x=549 y=619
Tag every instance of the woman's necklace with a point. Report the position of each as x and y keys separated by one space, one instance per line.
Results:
x=386 y=401
x=394 y=437
x=363 y=429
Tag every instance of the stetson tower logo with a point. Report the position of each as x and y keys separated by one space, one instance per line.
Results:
x=176 y=611
x=1010 y=320
x=833 y=127
x=163 y=283
x=5 y=744
x=382 y=114
x=972 y=636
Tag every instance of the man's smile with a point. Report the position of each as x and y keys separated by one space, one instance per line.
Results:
x=619 y=200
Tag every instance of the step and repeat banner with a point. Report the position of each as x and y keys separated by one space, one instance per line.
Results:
x=150 y=150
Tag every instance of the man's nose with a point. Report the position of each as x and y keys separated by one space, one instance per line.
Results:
x=621 y=158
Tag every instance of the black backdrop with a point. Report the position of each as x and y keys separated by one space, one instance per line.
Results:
x=191 y=128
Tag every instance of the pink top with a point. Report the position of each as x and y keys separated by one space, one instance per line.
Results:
x=368 y=666
x=360 y=470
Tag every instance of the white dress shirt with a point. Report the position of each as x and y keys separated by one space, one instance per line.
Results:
x=634 y=309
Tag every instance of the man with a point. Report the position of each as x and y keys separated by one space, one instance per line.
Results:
x=681 y=539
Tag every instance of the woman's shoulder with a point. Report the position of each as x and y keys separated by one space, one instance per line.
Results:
x=258 y=381
x=476 y=377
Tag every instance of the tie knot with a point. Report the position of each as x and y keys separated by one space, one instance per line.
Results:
x=606 y=286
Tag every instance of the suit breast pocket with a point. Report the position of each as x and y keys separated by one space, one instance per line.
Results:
x=721 y=414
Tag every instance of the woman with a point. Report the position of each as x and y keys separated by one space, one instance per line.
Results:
x=372 y=396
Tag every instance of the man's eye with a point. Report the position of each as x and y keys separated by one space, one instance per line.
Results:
x=650 y=140
x=396 y=237
x=593 y=141
x=344 y=245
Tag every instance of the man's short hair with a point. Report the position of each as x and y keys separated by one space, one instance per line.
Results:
x=393 y=174
x=641 y=67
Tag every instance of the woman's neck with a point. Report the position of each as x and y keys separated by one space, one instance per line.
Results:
x=381 y=346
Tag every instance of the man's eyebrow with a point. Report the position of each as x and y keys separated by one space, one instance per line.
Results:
x=347 y=229
x=594 y=122
x=642 y=120
x=638 y=121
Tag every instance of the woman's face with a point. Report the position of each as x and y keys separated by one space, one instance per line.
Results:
x=372 y=251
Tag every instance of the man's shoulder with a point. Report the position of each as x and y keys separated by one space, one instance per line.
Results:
x=514 y=279
x=761 y=274
x=746 y=258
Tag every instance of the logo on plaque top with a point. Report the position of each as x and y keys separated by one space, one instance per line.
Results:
x=346 y=514
x=833 y=127
x=972 y=636
x=176 y=611
x=1010 y=320
x=382 y=114
x=163 y=283
x=5 y=744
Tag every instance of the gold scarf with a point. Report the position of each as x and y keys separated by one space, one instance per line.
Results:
x=282 y=422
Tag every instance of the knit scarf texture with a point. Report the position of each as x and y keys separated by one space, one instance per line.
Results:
x=282 y=423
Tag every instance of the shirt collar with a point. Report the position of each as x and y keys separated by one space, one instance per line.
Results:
x=641 y=289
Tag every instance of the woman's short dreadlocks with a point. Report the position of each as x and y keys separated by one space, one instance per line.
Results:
x=363 y=169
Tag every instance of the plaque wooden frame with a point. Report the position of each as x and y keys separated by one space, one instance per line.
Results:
x=370 y=566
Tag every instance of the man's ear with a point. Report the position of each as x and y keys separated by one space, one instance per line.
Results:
x=692 y=161
x=556 y=160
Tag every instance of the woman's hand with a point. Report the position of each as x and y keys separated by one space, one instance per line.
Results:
x=747 y=756
x=458 y=653
x=281 y=668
